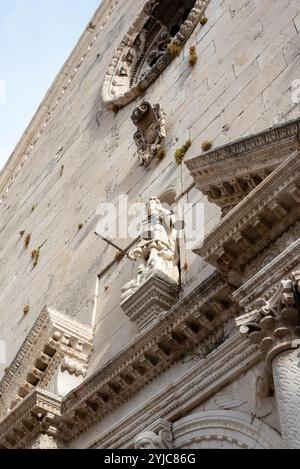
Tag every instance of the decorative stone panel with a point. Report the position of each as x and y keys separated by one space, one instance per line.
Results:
x=144 y=53
x=152 y=352
x=150 y=136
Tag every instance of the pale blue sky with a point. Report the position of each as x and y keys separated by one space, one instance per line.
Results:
x=36 y=37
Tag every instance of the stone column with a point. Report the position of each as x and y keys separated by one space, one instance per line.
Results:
x=286 y=374
x=275 y=326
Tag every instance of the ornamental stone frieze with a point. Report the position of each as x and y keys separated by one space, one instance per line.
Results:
x=229 y=173
x=275 y=327
x=151 y=132
x=146 y=50
x=188 y=323
x=57 y=344
x=155 y=286
x=256 y=222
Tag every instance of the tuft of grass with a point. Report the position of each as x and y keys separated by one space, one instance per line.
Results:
x=162 y=153
x=119 y=256
x=35 y=255
x=203 y=20
x=22 y=233
x=80 y=226
x=207 y=145
x=33 y=207
x=193 y=57
x=27 y=240
x=174 y=49
x=62 y=171
x=26 y=309
x=181 y=152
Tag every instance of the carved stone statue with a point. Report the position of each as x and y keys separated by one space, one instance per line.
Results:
x=151 y=133
x=157 y=251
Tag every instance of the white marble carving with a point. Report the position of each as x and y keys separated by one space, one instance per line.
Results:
x=157 y=252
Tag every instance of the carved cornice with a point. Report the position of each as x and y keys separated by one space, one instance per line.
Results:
x=268 y=211
x=36 y=414
x=153 y=351
x=275 y=324
x=264 y=283
x=226 y=175
x=55 y=340
x=62 y=83
x=190 y=390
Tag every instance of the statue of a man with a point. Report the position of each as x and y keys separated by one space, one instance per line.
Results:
x=157 y=251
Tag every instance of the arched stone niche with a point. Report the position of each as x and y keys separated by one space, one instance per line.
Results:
x=144 y=53
x=224 y=430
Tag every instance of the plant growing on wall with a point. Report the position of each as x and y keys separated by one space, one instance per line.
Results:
x=27 y=240
x=181 y=152
x=193 y=57
x=35 y=255
x=174 y=49
x=207 y=145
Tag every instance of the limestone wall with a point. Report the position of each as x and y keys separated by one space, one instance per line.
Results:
x=248 y=58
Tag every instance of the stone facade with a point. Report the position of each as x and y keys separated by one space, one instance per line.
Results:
x=158 y=340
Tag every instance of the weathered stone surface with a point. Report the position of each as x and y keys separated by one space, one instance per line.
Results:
x=77 y=154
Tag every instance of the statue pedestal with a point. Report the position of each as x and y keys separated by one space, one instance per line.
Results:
x=158 y=294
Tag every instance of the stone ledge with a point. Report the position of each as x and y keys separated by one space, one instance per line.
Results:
x=227 y=174
x=270 y=210
x=157 y=295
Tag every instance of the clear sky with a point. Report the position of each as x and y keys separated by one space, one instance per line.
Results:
x=36 y=37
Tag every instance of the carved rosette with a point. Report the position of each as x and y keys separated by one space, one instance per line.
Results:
x=143 y=53
x=150 y=136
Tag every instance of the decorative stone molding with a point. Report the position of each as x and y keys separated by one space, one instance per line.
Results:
x=155 y=285
x=267 y=212
x=224 y=430
x=275 y=326
x=162 y=438
x=229 y=173
x=143 y=54
x=156 y=295
x=194 y=387
x=265 y=283
x=150 y=136
x=153 y=351
x=56 y=340
x=38 y=414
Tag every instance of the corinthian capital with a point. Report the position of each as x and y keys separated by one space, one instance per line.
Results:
x=275 y=324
